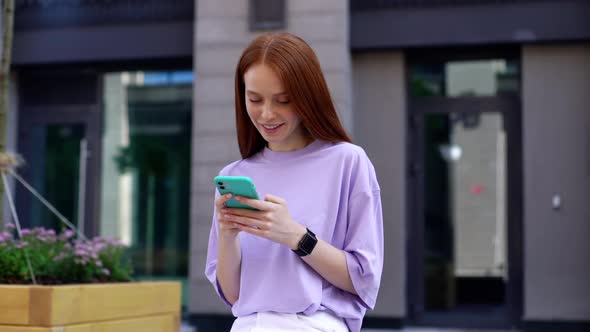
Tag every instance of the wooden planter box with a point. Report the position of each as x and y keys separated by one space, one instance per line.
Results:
x=117 y=307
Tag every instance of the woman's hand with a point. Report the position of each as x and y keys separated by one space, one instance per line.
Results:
x=272 y=221
x=229 y=257
x=227 y=229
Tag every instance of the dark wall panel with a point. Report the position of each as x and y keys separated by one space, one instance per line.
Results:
x=74 y=31
x=49 y=46
x=391 y=24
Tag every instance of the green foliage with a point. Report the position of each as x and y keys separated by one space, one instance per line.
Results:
x=61 y=258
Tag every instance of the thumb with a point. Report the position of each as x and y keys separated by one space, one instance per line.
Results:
x=274 y=199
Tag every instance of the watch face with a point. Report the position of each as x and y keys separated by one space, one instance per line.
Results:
x=308 y=242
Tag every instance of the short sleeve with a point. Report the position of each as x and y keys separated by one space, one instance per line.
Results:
x=211 y=264
x=363 y=245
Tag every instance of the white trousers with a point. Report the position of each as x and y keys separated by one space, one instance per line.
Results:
x=321 y=321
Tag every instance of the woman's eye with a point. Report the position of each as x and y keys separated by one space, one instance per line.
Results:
x=255 y=100
x=284 y=102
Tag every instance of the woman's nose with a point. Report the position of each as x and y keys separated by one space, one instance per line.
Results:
x=267 y=112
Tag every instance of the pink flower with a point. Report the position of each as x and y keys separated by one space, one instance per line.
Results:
x=81 y=261
x=21 y=245
x=116 y=243
x=98 y=263
x=26 y=231
x=68 y=234
x=10 y=226
x=106 y=272
x=46 y=238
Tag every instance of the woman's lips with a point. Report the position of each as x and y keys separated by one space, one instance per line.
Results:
x=272 y=129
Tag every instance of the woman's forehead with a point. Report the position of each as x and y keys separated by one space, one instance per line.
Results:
x=262 y=79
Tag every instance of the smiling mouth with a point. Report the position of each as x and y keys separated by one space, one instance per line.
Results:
x=271 y=127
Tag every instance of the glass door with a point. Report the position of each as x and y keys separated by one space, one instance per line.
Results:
x=56 y=153
x=465 y=249
x=57 y=144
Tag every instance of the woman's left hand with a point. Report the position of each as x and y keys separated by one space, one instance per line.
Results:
x=272 y=221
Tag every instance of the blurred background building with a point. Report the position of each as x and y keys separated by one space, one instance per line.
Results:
x=474 y=113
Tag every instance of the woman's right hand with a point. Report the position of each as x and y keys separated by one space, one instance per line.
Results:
x=227 y=229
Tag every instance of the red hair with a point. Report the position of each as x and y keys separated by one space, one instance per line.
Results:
x=299 y=70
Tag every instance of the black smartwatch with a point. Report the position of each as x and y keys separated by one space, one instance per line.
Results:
x=306 y=244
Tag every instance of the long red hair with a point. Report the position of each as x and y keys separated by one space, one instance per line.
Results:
x=297 y=66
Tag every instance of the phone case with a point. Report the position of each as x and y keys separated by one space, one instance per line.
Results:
x=237 y=186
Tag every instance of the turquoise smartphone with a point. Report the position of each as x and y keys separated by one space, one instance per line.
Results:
x=237 y=186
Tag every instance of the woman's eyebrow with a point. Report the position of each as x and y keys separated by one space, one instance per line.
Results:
x=280 y=94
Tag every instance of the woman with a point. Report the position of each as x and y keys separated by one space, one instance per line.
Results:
x=310 y=258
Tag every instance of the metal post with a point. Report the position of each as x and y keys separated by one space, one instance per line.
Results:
x=82 y=185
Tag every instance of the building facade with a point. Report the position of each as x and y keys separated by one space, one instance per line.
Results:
x=474 y=114
x=101 y=110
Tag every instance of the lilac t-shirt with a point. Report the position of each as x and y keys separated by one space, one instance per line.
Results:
x=330 y=188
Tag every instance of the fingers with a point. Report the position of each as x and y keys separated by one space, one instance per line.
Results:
x=221 y=200
x=254 y=231
x=268 y=204
x=246 y=221
x=227 y=224
x=220 y=205
x=274 y=199
x=243 y=212
x=255 y=203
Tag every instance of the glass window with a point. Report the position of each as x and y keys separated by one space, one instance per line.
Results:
x=146 y=169
x=465 y=259
x=55 y=172
x=267 y=14
x=465 y=78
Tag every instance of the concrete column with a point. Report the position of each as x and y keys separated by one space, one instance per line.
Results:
x=380 y=128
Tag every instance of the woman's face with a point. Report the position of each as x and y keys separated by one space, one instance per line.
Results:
x=271 y=111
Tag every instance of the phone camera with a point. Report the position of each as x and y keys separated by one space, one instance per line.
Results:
x=221 y=187
x=220 y=183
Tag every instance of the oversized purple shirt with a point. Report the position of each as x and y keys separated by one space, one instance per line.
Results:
x=331 y=189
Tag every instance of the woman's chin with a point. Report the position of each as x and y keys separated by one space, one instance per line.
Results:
x=272 y=139
x=272 y=142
